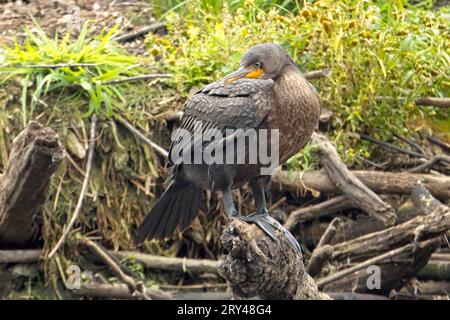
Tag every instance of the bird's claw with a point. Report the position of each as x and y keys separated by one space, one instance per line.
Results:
x=234 y=214
x=269 y=225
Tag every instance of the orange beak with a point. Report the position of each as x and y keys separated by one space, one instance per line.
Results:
x=243 y=73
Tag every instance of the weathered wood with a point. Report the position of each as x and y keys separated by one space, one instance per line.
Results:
x=421 y=227
x=432 y=222
x=169 y=263
x=322 y=253
x=375 y=260
x=362 y=196
x=255 y=265
x=194 y=266
x=438 y=256
x=136 y=287
x=351 y=229
x=20 y=256
x=35 y=155
x=378 y=181
x=319 y=210
x=84 y=187
x=395 y=272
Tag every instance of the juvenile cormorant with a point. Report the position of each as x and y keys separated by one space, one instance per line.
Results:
x=268 y=91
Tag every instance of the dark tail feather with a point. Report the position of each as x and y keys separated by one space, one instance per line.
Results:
x=177 y=207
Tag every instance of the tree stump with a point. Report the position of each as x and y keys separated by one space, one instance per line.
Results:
x=255 y=265
x=35 y=156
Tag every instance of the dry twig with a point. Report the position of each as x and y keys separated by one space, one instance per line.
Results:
x=84 y=187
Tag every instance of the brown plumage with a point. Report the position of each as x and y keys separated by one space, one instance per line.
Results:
x=267 y=92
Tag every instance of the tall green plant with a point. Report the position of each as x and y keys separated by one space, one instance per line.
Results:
x=82 y=66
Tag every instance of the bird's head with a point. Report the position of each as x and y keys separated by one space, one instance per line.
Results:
x=263 y=61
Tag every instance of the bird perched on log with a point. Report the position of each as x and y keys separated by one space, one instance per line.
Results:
x=268 y=92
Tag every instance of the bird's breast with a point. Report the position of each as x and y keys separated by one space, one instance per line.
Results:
x=297 y=113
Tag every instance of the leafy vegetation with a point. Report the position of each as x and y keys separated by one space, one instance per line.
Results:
x=60 y=82
x=391 y=49
x=164 y=7
x=87 y=64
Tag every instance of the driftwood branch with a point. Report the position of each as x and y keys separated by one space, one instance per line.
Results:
x=35 y=156
x=412 y=143
x=142 y=137
x=194 y=266
x=169 y=263
x=390 y=254
x=445 y=146
x=322 y=252
x=20 y=256
x=255 y=265
x=430 y=163
x=135 y=287
x=84 y=187
x=394 y=147
x=350 y=185
x=378 y=181
x=396 y=250
x=425 y=227
x=320 y=210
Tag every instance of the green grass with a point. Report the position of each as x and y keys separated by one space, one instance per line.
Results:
x=383 y=48
x=164 y=7
x=91 y=61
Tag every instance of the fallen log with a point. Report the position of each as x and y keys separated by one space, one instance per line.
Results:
x=422 y=227
x=135 y=287
x=438 y=256
x=194 y=266
x=380 y=248
x=255 y=265
x=169 y=263
x=319 y=210
x=20 y=256
x=376 y=260
x=378 y=181
x=35 y=156
x=351 y=186
x=351 y=229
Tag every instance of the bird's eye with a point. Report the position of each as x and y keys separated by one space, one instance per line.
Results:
x=258 y=64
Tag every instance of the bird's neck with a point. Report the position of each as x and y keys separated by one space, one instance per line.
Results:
x=295 y=92
x=298 y=109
